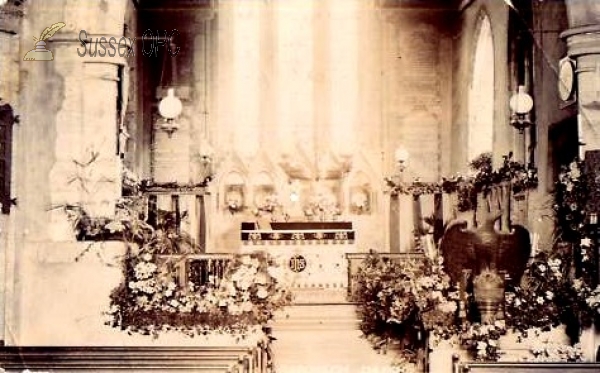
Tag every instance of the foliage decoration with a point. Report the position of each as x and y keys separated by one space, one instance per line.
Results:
x=402 y=299
x=150 y=299
x=481 y=340
x=482 y=179
x=396 y=295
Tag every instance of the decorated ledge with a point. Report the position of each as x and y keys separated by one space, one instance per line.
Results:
x=298 y=237
x=333 y=232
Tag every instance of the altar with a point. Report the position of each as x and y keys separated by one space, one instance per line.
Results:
x=313 y=255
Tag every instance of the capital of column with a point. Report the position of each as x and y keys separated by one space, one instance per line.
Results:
x=582 y=40
x=584 y=46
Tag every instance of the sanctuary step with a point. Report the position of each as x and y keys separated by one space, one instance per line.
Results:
x=325 y=338
x=341 y=316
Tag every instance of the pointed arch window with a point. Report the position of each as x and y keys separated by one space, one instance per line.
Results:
x=481 y=93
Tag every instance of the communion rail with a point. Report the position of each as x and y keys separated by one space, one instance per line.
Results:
x=198 y=269
x=187 y=205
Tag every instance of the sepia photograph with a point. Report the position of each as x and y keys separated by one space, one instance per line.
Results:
x=290 y=186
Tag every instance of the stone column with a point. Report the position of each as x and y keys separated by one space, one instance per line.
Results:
x=583 y=43
x=87 y=168
x=584 y=47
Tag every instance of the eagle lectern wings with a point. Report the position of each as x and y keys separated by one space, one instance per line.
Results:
x=485 y=247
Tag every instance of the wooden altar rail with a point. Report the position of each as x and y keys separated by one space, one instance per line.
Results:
x=188 y=201
x=199 y=269
x=355 y=260
x=206 y=359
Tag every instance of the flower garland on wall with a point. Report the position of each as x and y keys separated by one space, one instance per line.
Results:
x=520 y=176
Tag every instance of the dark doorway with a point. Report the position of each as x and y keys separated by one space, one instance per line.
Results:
x=563 y=145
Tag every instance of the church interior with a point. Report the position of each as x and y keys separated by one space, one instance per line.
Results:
x=305 y=185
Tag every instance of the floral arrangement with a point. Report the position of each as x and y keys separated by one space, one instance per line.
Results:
x=322 y=206
x=571 y=194
x=555 y=352
x=234 y=201
x=397 y=296
x=360 y=202
x=481 y=340
x=270 y=204
x=593 y=302
x=549 y=296
x=150 y=299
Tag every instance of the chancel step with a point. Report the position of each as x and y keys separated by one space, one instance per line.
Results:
x=206 y=359
x=325 y=338
x=342 y=316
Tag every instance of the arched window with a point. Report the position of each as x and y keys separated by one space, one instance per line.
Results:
x=481 y=93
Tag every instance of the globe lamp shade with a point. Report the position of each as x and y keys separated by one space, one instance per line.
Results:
x=170 y=107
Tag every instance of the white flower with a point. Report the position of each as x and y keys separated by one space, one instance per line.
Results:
x=481 y=345
x=518 y=302
x=262 y=293
x=549 y=295
x=574 y=169
x=540 y=300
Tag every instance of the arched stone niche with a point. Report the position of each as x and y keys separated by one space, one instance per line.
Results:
x=263 y=189
x=361 y=195
x=234 y=192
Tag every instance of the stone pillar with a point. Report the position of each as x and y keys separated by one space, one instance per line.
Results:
x=87 y=168
x=584 y=47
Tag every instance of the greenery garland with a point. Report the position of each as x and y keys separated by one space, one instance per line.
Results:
x=520 y=177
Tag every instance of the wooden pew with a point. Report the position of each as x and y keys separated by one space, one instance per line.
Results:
x=206 y=359
x=523 y=367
